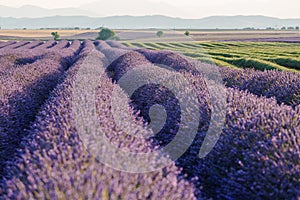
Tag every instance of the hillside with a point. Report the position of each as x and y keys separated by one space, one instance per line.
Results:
x=150 y=21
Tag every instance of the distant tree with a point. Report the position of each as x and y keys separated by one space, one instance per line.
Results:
x=283 y=28
x=270 y=28
x=159 y=33
x=291 y=28
x=187 y=33
x=77 y=28
x=107 y=34
x=297 y=27
x=55 y=35
x=249 y=28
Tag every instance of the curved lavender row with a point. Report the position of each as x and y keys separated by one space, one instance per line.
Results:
x=23 y=90
x=152 y=94
x=237 y=169
x=19 y=53
x=24 y=87
x=111 y=53
x=56 y=164
x=10 y=49
x=61 y=45
x=125 y=63
x=22 y=56
x=257 y=154
x=15 y=45
x=12 y=58
x=64 y=49
x=7 y=61
x=88 y=47
x=115 y=44
x=31 y=45
x=46 y=45
x=149 y=95
x=69 y=52
x=39 y=47
x=6 y=44
x=169 y=58
x=284 y=86
x=75 y=44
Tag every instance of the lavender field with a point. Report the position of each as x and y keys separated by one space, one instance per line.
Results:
x=43 y=154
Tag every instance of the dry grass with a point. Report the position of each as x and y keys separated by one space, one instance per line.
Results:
x=41 y=33
x=236 y=35
x=150 y=35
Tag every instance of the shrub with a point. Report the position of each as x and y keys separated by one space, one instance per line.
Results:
x=187 y=33
x=107 y=34
x=55 y=35
x=159 y=33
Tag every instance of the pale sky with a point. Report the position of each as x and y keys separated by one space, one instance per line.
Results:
x=176 y=8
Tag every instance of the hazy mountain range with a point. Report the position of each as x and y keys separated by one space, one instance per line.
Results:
x=32 y=17
x=37 y=12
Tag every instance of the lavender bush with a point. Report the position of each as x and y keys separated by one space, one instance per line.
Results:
x=284 y=86
x=257 y=155
x=31 y=45
x=6 y=44
x=55 y=164
x=43 y=154
x=25 y=84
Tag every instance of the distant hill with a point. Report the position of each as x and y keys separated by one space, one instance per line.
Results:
x=97 y=8
x=153 y=21
x=35 y=12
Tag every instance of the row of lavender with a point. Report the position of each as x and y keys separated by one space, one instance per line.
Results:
x=26 y=52
x=256 y=157
x=283 y=86
x=55 y=164
x=27 y=77
x=258 y=154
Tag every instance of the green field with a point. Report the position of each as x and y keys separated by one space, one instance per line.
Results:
x=258 y=55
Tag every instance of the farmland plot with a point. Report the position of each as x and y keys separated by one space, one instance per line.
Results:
x=58 y=98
